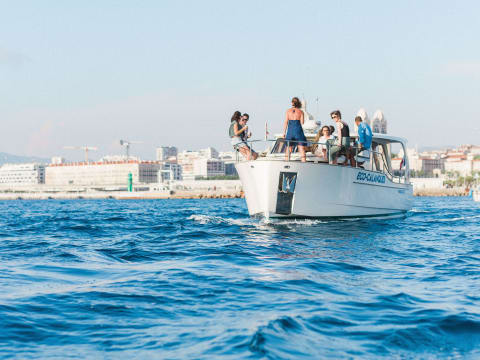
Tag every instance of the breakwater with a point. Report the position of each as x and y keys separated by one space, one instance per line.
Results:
x=176 y=194
x=440 y=192
x=124 y=195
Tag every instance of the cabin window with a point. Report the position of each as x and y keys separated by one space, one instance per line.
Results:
x=388 y=157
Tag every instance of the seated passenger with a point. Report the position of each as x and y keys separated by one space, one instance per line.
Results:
x=342 y=145
x=246 y=135
x=320 y=150
x=238 y=132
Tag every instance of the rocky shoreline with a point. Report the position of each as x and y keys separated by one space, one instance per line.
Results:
x=440 y=192
x=121 y=195
x=184 y=194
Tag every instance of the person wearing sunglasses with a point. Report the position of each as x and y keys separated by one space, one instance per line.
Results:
x=342 y=145
x=238 y=132
x=245 y=136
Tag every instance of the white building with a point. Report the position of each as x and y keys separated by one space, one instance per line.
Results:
x=229 y=158
x=208 y=167
x=169 y=172
x=460 y=164
x=22 y=174
x=57 y=160
x=414 y=161
x=208 y=153
x=102 y=173
x=187 y=158
x=166 y=152
x=379 y=123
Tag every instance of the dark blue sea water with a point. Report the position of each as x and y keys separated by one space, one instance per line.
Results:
x=199 y=279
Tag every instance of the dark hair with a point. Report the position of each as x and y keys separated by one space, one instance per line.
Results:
x=236 y=116
x=336 y=112
x=332 y=129
x=328 y=128
x=296 y=102
x=248 y=116
x=358 y=118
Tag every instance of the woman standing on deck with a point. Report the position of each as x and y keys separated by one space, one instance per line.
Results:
x=292 y=129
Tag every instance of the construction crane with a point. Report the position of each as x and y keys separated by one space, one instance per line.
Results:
x=127 y=144
x=84 y=148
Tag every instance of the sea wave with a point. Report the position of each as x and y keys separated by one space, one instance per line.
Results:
x=202 y=279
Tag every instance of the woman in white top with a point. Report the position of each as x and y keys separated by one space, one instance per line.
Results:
x=320 y=150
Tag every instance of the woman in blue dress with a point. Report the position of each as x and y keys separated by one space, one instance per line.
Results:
x=292 y=129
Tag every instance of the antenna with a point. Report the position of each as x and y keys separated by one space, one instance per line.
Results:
x=84 y=148
x=127 y=144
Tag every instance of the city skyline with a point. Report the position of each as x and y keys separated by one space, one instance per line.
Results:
x=173 y=74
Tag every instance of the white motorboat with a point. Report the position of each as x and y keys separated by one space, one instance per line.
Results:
x=476 y=194
x=277 y=185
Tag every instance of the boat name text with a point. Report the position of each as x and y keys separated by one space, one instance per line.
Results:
x=373 y=178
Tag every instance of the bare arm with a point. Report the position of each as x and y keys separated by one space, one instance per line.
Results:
x=285 y=125
x=236 y=130
x=302 y=120
x=339 y=133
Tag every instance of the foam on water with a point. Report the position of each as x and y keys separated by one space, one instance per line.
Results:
x=201 y=279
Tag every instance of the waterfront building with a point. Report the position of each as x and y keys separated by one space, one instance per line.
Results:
x=429 y=164
x=22 y=174
x=414 y=160
x=113 y=173
x=187 y=158
x=166 y=153
x=458 y=164
x=208 y=153
x=204 y=168
x=170 y=171
x=228 y=157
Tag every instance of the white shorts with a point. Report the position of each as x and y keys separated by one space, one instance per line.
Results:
x=237 y=142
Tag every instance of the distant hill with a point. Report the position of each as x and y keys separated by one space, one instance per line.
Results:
x=6 y=158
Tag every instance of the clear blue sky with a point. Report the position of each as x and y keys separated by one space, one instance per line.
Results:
x=173 y=72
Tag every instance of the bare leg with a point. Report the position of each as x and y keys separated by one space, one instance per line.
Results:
x=244 y=151
x=288 y=150
x=302 y=153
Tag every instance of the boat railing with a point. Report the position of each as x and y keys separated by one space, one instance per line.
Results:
x=372 y=160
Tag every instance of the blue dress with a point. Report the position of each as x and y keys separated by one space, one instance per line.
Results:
x=295 y=133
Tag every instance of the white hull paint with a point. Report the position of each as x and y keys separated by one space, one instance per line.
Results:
x=322 y=190
x=476 y=195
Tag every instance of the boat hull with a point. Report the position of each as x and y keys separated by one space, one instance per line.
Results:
x=293 y=189
x=476 y=195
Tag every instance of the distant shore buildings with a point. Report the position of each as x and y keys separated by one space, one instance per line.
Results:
x=22 y=174
x=117 y=172
x=462 y=161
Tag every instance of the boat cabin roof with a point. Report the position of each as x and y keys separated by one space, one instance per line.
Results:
x=384 y=138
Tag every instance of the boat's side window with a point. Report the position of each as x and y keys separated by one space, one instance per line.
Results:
x=377 y=164
x=281 y=146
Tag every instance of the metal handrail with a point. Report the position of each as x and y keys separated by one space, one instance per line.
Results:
x=328 y=144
